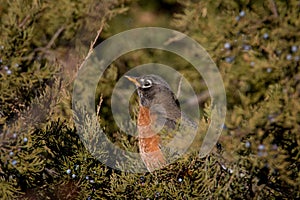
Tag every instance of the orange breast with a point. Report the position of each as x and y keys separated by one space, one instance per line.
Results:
x=149 y=140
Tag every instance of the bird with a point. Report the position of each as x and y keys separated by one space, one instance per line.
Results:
x=159 y=109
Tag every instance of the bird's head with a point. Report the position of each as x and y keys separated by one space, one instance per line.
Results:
x=153 y=89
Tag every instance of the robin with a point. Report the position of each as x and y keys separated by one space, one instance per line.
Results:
x=159 y=109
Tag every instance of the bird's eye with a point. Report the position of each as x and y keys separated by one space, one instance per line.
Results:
x=147 y=84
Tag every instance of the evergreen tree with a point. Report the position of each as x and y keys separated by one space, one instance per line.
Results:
x=255 y=45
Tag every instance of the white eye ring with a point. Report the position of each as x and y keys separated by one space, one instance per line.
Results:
x=147 y=84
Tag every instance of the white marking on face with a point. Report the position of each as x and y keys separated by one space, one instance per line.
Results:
x=147 y=84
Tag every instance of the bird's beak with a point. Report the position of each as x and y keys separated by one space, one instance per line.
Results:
x=134 y=80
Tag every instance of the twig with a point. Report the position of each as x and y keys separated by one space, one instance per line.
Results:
x=274 y=8
x=99 y=105
x=23 y=22
x=259 y=23
x=93 y=44
x=176 y=38
x=202 y=97
x=90 y=50
x=179 y=87
x=52 y=40
x=54 y=37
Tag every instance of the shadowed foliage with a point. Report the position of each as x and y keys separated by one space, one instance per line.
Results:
x=256 y=46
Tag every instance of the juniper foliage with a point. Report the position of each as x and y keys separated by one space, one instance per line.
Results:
x=255 y=45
